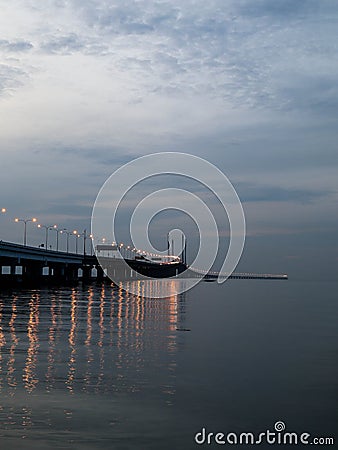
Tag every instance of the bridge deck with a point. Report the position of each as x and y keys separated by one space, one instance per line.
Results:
x=16 y=254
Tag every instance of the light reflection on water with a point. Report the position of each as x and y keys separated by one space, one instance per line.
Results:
x=94 y=368
x=78 y=356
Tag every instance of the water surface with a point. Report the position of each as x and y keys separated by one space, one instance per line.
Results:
x=93 y=367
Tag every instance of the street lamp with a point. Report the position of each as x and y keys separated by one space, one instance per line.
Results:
x=91 y=237
x=84 y=234
x=68 y=233
x=55 y=228
x=47 y=228
x=3 y=210
x=25 y=221
x=78 y=235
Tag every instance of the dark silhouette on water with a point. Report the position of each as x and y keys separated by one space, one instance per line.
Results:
x=34 y=265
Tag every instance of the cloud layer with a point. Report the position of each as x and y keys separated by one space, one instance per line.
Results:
x=250 y=85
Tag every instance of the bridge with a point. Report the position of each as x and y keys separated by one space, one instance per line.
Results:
x=25 y=264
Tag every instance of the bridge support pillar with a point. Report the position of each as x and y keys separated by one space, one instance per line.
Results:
x=99 y=273
x=32 y=271
x=86 y=273
x=71 y=272
x=58 y=272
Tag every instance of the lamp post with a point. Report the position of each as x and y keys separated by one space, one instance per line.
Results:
x=71 y=233
x=46 y=239
x=3 y=210
x=91 y=237
x=25 y=221
x=78 y=235
x=68 y=233
x=84 y=242
x=55 y=228
x=46 y=227
x=95 y=241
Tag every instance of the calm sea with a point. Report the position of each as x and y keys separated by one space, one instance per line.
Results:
x=93 y=367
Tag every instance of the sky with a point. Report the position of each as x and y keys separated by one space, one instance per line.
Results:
x=250 y=85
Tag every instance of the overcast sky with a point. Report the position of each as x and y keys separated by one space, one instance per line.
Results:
x=252 y=86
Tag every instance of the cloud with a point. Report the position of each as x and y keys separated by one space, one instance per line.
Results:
x=279 y=9
x=16 y=46
x=66 y=44
x=250 y=85
x=256 y=55
x=11 y=77
x=260 y=193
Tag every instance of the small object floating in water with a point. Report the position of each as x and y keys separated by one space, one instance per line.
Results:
x=182 y=329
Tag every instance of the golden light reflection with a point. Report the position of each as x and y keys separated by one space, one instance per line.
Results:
x=88 y=344
x=139 y=320
x=172 y=302
x=98 y=339
x=112 y=317
x=50 y=375
x=138 y=310
x=120 y=300
x=30 y=378
x=101 y=321
x=2 y=343
x=101 y=342
x=119 y=343
x=26 y=420
x=127 y=319
x=11 y=378
x=89 y=317
x=71 y=340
